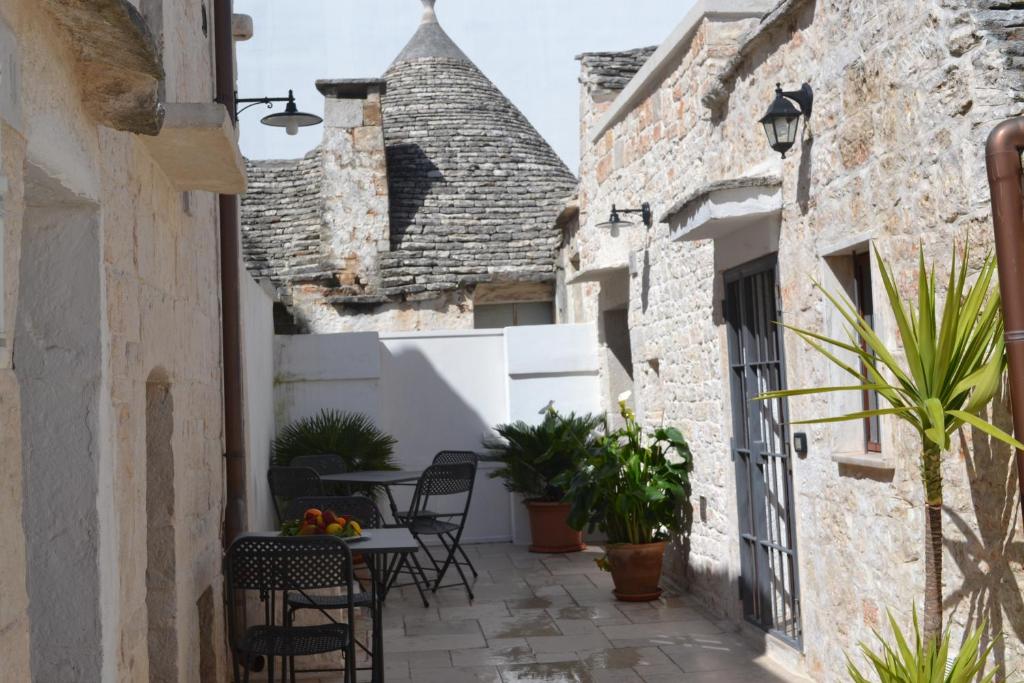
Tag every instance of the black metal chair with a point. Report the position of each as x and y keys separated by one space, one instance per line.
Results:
x=275 y=566
x=366 y=512
x=452 y=458
x=325 y=463
x=289 y=483
x=441 y=481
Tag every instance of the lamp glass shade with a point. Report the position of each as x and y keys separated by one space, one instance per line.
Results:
x=291 y=119
x=781 y=124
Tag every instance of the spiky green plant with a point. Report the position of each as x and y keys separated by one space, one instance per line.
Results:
x=353 y=436
x=953 y=366
x=926 y=660
x=534 y=456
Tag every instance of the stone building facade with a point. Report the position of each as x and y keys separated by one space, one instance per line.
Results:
x=891 y=157
x=111 y=429
x=430 y=196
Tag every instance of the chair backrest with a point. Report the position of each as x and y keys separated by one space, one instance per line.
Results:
x=443 y=480
x=289 y=483
x=288 y=563
x=323 y=463
x=364 y=509
x=274 y=564
x=456 y=457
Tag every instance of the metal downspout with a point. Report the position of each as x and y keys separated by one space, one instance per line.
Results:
x=1003 y=160
x=234 y=439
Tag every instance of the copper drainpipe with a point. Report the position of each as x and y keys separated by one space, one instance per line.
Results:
x=234 y=438
x=1003 y=159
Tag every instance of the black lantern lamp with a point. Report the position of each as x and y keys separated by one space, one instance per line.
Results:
x=782 y=121
x=291 y=119
x=615 y=219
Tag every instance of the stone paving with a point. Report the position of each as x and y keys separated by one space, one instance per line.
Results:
x=553 y=618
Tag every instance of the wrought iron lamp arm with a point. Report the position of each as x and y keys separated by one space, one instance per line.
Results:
x=253 y=101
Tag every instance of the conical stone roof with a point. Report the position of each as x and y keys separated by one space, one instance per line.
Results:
x=475 y=191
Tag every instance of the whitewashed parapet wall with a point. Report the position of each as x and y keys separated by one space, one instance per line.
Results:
x=441 y=391
x=905 y=94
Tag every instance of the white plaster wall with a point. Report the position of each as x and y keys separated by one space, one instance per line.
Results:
x=558 y=363
x=442 y=391
x=258 y=361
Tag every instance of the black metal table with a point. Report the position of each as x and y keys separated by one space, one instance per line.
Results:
x=380 y=544
x=383 y=478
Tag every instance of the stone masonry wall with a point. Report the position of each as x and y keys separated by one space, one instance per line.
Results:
x=905 y=94
x=159 y=319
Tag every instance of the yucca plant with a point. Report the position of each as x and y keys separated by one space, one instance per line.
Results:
x=926 y=660
x=534 y=456
x=353 y=436
x=954 y=364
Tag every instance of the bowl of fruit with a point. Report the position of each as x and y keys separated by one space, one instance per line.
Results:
x=316 y=522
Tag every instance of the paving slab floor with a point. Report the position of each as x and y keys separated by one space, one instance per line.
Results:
x=553 y=619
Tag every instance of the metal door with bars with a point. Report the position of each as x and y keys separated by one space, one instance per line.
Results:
x=769 y=585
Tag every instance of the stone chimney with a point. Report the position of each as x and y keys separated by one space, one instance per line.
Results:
x=356 y=223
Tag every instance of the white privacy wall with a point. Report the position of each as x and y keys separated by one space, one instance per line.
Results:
x=443 y=390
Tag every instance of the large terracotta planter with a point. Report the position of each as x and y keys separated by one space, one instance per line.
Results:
x=549 y=529
x=636 y=570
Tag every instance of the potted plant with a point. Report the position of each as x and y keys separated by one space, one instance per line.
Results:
x=533 y=457
x=636 y=490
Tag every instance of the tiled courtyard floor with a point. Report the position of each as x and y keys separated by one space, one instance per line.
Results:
x=553 y=618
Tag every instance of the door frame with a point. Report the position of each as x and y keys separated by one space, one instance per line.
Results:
x=768 y=620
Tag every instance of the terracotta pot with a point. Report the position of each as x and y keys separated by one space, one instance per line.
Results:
x=549 y=529
x=636 y=570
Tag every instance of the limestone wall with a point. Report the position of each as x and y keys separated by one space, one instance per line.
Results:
x=905 y=94
x=153 y=256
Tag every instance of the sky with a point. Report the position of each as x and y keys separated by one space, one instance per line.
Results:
x=526 y=47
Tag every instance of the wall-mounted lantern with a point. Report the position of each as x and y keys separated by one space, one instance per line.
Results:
x=782 y=122
x=291 y=119
x=615 y=220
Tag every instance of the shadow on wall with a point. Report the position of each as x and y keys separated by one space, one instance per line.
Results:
x=989 y=553
x=412 y=177
x=446 y=402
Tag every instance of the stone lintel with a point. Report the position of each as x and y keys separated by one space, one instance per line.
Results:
x=197 y=149
x=605 y=274
x=351 y=88
x=722 y=207
x=118 y=62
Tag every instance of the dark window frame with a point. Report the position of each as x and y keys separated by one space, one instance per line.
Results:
x=863 y=300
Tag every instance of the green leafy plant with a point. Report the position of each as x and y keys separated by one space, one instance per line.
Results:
x=353 y=436
x=926 y=660
x=534 y=456
x=953 y=366
x=630 y=488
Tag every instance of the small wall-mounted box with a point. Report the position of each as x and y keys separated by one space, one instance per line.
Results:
x=800 y=443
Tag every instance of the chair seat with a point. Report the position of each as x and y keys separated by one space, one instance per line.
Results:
x=301 y=601
x=289 y=641
x=429 y=526
x=422 y=513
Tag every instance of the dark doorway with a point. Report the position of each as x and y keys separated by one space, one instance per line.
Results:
x=769 y=586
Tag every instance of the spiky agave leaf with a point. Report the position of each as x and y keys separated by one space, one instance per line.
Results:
x=953 y=365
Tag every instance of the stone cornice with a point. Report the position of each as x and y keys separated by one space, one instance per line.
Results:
x=118 y=62
x=667 y=55
x=721 y=85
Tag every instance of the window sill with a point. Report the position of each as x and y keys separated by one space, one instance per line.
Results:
x=874 y=461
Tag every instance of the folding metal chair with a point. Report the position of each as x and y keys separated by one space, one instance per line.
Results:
x=289 y=483
x=440 y=481
x=325 y=463
x=366 y=512
x=276 y=566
